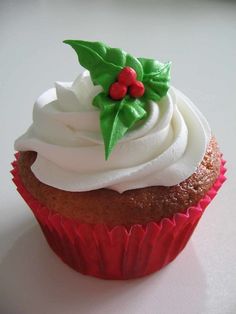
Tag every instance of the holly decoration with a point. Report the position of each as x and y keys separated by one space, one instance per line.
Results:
x=128 y=84
x=126 y=79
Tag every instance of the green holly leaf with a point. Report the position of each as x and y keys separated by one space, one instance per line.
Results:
x=156 y=78
x=117 y=117
x=103 y=62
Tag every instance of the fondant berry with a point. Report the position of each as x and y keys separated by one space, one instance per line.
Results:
x=117 y=91
x=137 y=89
x=127 y=76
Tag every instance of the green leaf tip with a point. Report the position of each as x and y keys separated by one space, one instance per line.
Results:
x=117 y=117
x=105 y=63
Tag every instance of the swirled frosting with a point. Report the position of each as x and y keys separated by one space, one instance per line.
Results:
x=164 y=149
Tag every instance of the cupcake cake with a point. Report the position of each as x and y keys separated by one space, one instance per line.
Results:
x=117 y=166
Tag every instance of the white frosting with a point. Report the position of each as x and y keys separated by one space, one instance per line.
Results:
x=164 y=150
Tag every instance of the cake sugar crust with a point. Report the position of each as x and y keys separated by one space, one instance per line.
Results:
x=137 y=206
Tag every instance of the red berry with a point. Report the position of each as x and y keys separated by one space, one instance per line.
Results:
x=117 y=91
x=137 y=89
x=127 y=76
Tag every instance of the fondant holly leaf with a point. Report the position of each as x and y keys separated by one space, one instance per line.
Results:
x=103 y=62
x=156 y=77
x=117 y=117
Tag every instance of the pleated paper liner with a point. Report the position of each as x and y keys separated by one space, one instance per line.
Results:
x=118 y=252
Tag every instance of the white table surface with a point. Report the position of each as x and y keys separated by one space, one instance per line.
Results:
x=200 y=38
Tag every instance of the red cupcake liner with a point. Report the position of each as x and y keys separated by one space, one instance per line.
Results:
x=118 y=252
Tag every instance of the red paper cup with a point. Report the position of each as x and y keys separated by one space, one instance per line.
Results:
x=118 y=252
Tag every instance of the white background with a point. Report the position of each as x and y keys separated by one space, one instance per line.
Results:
x=200 y=39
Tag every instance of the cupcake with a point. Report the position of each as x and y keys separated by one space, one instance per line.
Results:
x=117 y=166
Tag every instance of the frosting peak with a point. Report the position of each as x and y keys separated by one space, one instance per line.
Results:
x=164 y=149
